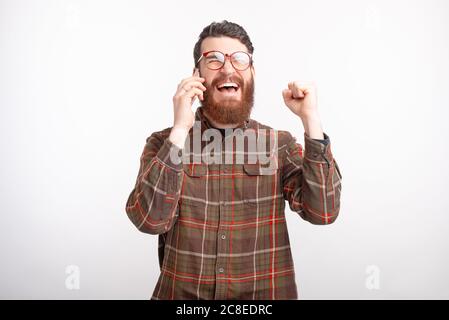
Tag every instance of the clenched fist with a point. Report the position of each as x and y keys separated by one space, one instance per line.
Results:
x=301 y=99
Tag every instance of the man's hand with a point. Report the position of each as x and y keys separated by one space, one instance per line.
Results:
x=188 y=90
x=184 y=118
x=301 y=99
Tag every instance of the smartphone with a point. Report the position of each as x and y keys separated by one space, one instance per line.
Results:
x=199 y=73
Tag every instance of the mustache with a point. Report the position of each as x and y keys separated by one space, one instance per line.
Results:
x=234 y=79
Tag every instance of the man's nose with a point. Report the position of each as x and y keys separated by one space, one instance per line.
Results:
x=228 y=68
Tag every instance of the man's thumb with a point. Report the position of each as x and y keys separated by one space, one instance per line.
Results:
x=287 y=94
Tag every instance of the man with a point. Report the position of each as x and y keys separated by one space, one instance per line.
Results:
x=221 y=224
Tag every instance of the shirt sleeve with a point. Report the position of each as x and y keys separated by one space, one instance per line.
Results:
x=311 y=180
x=153 y=203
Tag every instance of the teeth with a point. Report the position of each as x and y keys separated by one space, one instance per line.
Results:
x=228 y=84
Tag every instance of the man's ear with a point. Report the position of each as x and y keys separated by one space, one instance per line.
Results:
x=253 y=70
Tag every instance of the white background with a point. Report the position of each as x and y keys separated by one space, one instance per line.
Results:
x=83 y=83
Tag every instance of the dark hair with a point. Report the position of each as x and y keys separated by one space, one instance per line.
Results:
x=222 y=29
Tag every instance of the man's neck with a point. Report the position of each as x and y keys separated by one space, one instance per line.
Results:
x=220 y=125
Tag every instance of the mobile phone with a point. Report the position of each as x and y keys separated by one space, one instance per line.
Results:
x=199 y=73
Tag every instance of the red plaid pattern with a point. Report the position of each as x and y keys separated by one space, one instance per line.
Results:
x=222 y=229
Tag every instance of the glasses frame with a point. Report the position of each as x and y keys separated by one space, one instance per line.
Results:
x=226 y=56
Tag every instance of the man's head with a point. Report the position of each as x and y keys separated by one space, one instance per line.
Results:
x=229 y=41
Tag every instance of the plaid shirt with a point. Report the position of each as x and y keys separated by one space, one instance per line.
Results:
x=222 y=229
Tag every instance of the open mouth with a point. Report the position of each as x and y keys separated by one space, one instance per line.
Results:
x=228 y=88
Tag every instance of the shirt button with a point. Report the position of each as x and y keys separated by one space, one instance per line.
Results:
x=221 y=270
x=223 y=236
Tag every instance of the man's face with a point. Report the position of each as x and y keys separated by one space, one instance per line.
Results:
x=227 y=106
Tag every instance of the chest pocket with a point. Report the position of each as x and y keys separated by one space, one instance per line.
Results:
x=194 y=187
x=260 y=184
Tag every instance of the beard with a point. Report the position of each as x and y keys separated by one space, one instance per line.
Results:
x=229 y=111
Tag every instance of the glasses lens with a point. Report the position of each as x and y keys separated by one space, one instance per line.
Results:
x=240 y=60
x=214 y=60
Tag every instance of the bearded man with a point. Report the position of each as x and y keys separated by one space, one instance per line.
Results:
x=221 y=224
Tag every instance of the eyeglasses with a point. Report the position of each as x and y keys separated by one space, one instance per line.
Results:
x=215 y=60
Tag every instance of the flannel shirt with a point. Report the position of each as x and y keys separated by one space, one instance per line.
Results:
x=222 y=227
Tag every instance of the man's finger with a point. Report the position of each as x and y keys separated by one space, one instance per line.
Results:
x=287 y=94
x=192 y=78
x=192 y=84
x=296 y=90
x=194 y=92
x=298 y=93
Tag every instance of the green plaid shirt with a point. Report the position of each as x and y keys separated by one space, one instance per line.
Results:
x=222 y=227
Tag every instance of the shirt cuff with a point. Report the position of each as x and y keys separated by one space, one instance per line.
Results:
x=170 y=155
x=318 y=149
x=325 y=141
